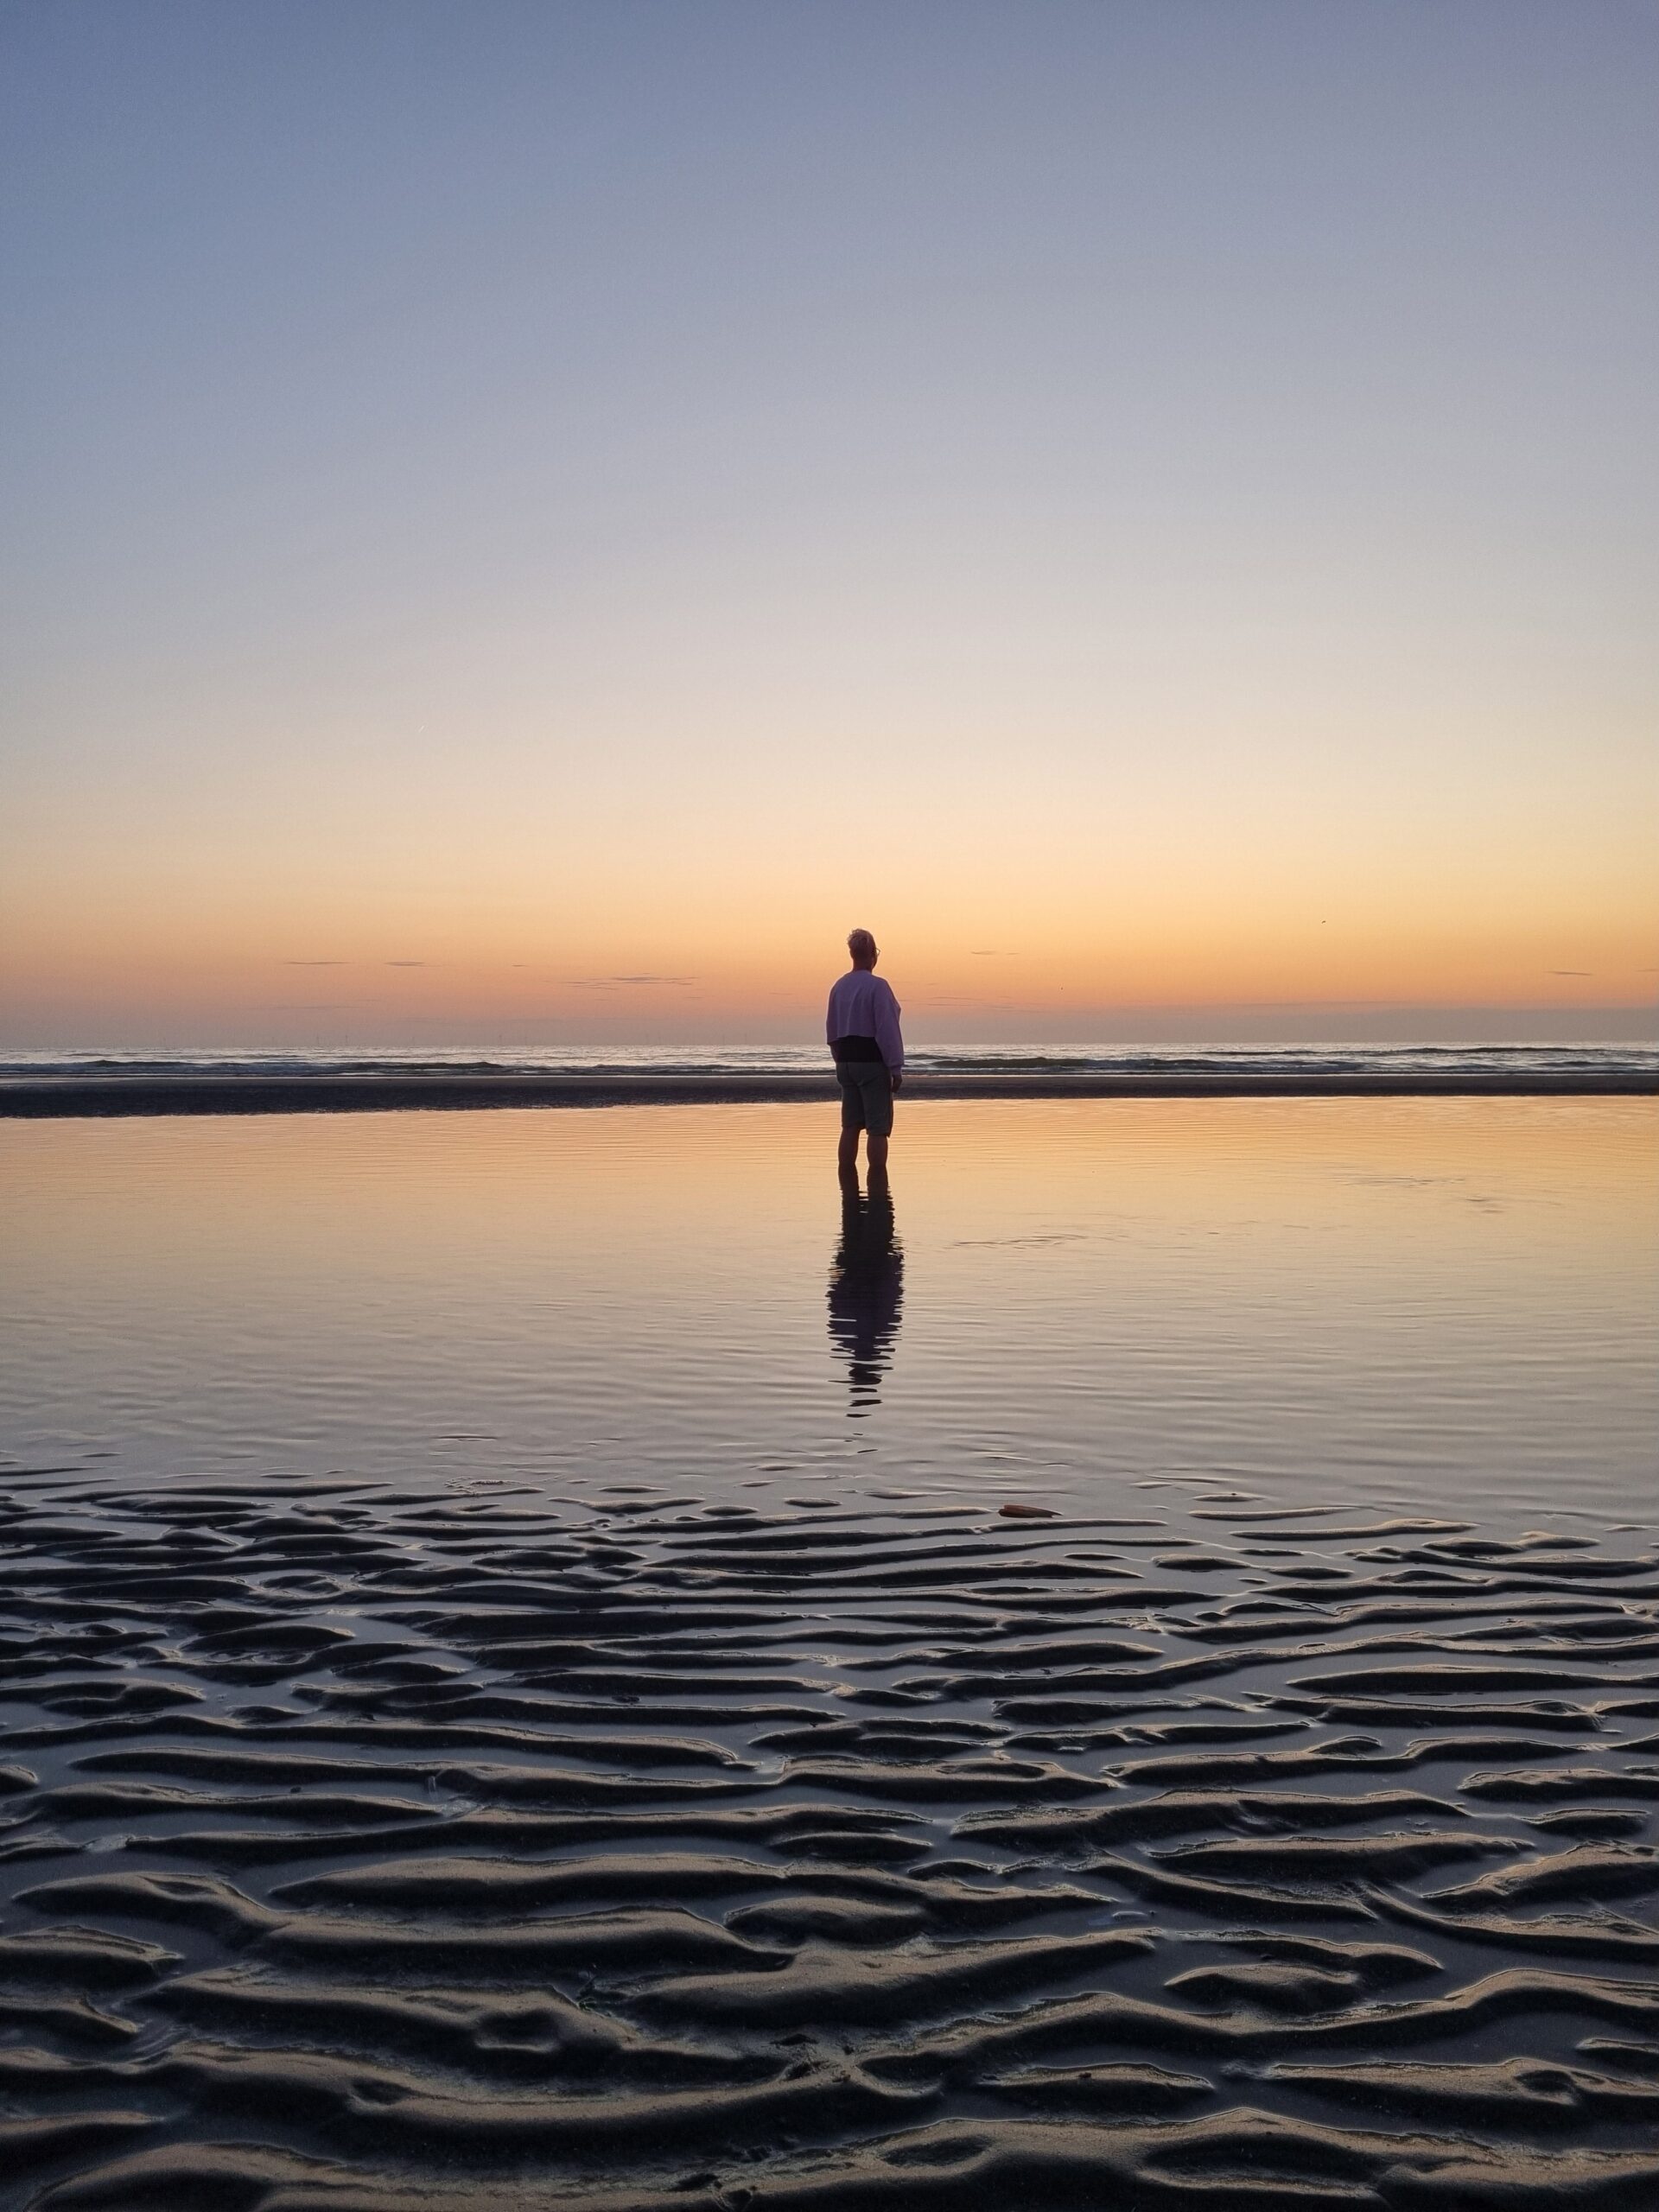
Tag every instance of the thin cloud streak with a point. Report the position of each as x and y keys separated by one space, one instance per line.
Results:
x=614 y=983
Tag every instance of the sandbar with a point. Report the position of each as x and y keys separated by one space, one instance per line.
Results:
x=59 y=1097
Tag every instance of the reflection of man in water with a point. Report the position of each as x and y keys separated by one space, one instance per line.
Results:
x=862 y=1028
x=867 y=1286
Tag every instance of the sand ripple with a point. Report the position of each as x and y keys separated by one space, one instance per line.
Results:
x=363 y=1850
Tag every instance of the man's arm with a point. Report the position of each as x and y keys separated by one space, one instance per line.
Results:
x=889 y=1042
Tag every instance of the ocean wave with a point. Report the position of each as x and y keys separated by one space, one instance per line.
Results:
x=1519 y=1057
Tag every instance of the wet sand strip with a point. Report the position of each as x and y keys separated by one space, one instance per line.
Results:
x=81 y=1097
x=362 y=1848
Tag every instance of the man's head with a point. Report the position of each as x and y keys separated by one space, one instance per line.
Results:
x=862 y=947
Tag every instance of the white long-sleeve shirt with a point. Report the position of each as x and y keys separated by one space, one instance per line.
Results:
x=861 y=1004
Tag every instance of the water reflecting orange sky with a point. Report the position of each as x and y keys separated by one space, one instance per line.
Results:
x=1429 y=1300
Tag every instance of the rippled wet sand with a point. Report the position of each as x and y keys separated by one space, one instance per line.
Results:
x=701 y=1791
x=365 y=1849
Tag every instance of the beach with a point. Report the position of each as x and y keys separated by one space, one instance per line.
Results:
x=829 y=1094
x=558 y=1659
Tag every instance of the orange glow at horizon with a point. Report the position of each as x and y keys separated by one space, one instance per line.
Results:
x=673 y=957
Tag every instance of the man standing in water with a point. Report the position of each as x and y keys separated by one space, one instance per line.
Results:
x=869 y=1052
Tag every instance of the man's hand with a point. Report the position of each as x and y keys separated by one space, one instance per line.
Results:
x=898 y=1080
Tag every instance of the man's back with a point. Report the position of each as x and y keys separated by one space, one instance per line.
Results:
x=862 y=1005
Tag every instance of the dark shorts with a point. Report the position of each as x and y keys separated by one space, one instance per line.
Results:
x=866 y=1096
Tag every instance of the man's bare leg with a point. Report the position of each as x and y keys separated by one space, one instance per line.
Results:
x=847 y=1151
x=877 y=1155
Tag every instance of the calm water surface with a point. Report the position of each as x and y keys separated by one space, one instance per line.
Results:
x=1428 y=1302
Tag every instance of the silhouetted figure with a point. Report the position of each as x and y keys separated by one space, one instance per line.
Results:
x=867 y=1287
x=862 y=1027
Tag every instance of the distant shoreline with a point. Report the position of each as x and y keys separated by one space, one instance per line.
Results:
x=78 y=1097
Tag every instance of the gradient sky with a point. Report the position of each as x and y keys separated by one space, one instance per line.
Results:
x=527 y=520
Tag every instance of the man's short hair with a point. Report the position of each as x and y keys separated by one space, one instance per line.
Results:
x=862 y=946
